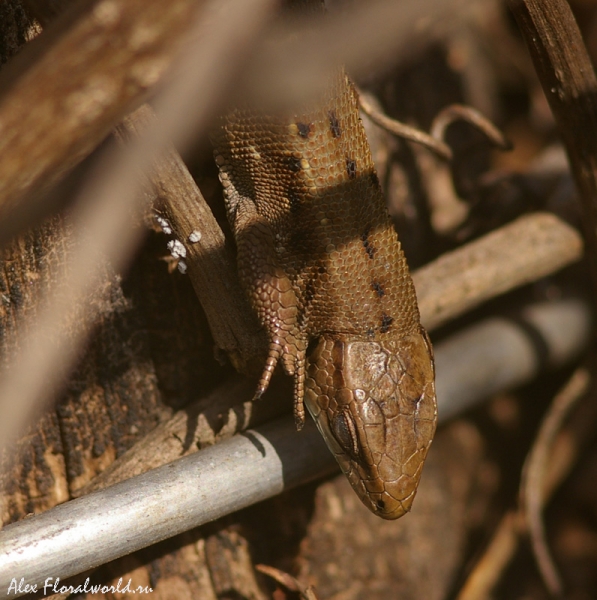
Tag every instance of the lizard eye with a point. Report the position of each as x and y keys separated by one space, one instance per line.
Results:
x=345 y=432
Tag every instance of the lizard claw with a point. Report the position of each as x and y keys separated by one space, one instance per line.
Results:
x=299 y=390
x=258 y=393
x=275 y=350
x=299 y=419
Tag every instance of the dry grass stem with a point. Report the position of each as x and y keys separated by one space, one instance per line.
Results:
x=498 y=554
x=283 y=75
x=402 y=130
x=536 y=475
x=554 y=453
x=456 y=112
x=287 y=581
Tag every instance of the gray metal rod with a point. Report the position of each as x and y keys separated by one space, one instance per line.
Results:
x=260 y=463
x=498 y=354
x=89 y=531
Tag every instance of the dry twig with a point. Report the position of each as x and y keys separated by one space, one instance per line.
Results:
x=547 y=466
x=402 y=130
x=82 y=75
x=529 y=248
x=538 y=478
x=288 y=581
x=570 y=86
x=211 y=265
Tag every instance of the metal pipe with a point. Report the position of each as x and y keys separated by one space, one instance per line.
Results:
x=500 y=353
x=105 y=525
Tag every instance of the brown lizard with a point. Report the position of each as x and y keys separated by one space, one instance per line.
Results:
x=325 y=272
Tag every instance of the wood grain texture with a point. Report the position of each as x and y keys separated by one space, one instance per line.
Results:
x=569 y=83
x=531 y=247
x=180 y=206
x=92 y=66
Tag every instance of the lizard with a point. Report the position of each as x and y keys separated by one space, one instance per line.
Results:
x=323 y=268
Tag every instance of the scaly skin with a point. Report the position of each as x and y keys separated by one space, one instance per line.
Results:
x=324 y=270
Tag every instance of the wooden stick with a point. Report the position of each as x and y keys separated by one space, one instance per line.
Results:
x=211 y=264
x=83 y=74
x=570 y=86
x=523 y=251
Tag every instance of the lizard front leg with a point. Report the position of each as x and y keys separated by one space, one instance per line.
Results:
x=272 y=297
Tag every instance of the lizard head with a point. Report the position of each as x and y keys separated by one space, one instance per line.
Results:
x=374 y=403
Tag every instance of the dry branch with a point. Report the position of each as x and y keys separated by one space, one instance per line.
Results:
x=211 y=264
x=523 y=251
x=82 y=75
x=570 y=86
